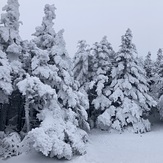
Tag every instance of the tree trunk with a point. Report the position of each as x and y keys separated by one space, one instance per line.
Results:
x=27 y=120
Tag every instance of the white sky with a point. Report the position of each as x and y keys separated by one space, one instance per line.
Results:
x=92 y=19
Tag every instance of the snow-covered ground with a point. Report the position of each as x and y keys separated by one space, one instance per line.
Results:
x=104 y=147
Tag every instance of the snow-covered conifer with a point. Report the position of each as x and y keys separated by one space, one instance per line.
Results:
x=99 y=86
x=81 y=64
x=158 y=61
x=9 y=32
x=130 y=101
x=52 y=65
x=5 y=87
x=10 y=45
x=45 y=33
x=148 y=65
x=58 y=134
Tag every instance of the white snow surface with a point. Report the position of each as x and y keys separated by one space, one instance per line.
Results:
x=104 y=147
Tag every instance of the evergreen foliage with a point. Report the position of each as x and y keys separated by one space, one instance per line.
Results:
x=47 y=99
x=130 y=101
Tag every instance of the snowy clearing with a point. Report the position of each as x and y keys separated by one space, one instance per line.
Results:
x=104 y=147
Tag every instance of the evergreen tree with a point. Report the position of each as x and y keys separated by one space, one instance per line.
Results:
x=57 y=135
x=10 y=44
x=156 y=87
x=158 y=61
x=130 y=101
x=81 y=62
x=5 y=88
x=10 y=29
x=45 y=34
x=52 y=65
x=148 y=65
x=99 y=86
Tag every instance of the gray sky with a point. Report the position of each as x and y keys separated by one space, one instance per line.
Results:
x=92 y=19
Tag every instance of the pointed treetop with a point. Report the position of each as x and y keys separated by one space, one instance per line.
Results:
x=159 y=54
x=127 y=45
x=127 y=38
x=149 y=54
x=104 y=40
x=159 y=51
x=148 y=59
x=82 y=46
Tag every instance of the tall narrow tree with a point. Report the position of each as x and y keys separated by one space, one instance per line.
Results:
x=148 y=66
x=81 y=64
x=10 y=44
x=159 y=60
x=102 y=64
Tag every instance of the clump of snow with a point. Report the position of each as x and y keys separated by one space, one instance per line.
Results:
x=5 y=77
x=10 y=145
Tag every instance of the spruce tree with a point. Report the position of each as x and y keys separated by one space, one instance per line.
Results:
x=5 y=88
x=51 y=64
x=80 y=64
x=148 y=65
x=130 y=101
x=10 y=43
x=159 y=60
x=99 y=86
x=157 y=80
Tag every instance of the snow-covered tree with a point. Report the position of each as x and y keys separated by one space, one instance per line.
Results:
x=102 y=65
x=45 y=34
x=80 y=64
x=68 y=95
x=9 y=32
x=5 y=88
x=51 y=64
x=158 y=61
x=148 y=65
x=157 y=87
x=10 y=45
x=157 y=80
x=130 y=101
x=58 y=134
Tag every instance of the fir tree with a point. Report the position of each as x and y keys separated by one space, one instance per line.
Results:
x=81 y=62
x=157 y=80
x=10 y=20
x=99 y=85
x=148 y=65
x=10 y=44
x=130 y=101
x=5 y=88
x=52 y=65
x=158 y=61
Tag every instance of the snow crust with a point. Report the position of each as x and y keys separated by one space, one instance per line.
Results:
x=111 y=148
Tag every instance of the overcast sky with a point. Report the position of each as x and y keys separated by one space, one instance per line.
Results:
x=92 y=19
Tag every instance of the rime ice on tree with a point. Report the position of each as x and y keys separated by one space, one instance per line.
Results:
x=98 y=94
x=129 y=92
x=63 y=120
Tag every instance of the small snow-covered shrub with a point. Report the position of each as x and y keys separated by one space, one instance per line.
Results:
x=10 y=145
x=56 y=137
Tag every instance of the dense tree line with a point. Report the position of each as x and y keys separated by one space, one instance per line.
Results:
x=49 y=101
